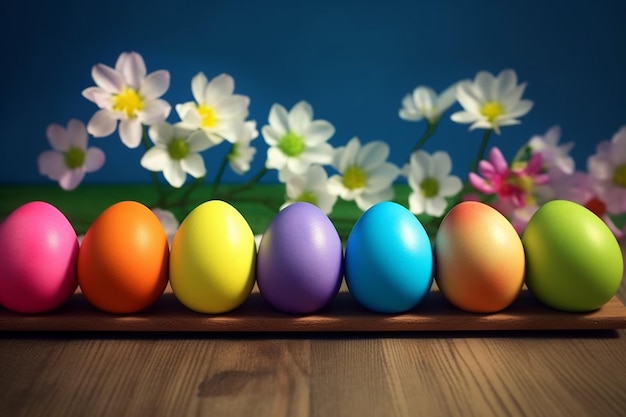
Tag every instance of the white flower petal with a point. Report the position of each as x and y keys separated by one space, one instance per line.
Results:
x=51 y=164
x=450 y=186
x=233 y=107
x=198 y=141
x=463 y=117
x=367 y=200
x=275 y=159
x=132 y=66
x=221 y=86
x=435 y=206
x=71 y=179
x=372 y=154
x=417 y=203
x=155 y=85
x=174 y=174
x=94 y=159
x=107 y=78
x=270 y=135
x=155 y=159
x=381 y=177
x=99 y=96
x=319 y=131
x=321 y=154
x=130 y=132
x=198 y=84
x=161 y=133
x=193 y=164
x=279 y=119
x=154 y=111
x=102 y=123
x=300 y=117
x=58 y=137
x=77 y=134
x=441 y=164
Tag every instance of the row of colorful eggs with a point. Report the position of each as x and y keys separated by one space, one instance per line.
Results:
x=567 y=257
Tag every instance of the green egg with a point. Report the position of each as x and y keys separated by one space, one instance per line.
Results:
x=573 y=261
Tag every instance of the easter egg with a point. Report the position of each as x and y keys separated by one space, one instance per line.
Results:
x=388 y=259
x=212 y=263
x=123 y=259
x=479 y=258
x=299 y=262
x=574 y=262
x=38 y=258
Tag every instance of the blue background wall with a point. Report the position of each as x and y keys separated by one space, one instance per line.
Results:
x=352 y=60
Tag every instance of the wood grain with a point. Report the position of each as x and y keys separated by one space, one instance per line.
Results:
x=560 y=373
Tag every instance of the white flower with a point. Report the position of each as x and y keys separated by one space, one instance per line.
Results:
x=296 y=140
x=491 y=102
x=168 y=221
x=553 y=154
x=241 y=153
x=430 y=180
x=70 y=159
x=216 y=110
x=608 y=172
x=127 y=94
x=424 y=103
x=311 y=187
x=176 y=152
x=365 y=176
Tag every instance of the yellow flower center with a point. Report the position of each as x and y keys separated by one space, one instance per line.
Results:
x=74 y=158
x=619 y=176
x=128 y=101
x=492 y=110
x=207 y=116
x=429 y=187
x=308 y=197
x=354 y=178
x=178 y=149
x=291 y=144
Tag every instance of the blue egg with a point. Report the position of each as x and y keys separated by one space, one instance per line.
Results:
x=388 y=259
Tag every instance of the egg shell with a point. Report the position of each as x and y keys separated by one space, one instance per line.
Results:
x=479 y=258
x=389 y=259
x=123 y=259
x=300 y=260
x=38 y=258
x=212 y=263
x=574 y=262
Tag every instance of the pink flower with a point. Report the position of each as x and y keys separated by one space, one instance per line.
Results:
x=510 y=184
x=608 y=172
x=70 y=158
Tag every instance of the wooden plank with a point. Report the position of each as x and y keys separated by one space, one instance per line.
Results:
x=342 y=315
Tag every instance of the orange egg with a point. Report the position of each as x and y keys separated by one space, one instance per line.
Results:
x=123 y=259
x=479 y=258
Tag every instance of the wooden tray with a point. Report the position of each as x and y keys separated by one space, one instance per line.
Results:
x=342 y=315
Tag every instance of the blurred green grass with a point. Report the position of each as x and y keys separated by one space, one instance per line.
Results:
x=81 y=206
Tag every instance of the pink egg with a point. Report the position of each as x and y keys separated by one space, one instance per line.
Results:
x=38 y=259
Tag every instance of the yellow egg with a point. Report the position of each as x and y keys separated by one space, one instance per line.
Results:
x=479 y=258
x=212 y=260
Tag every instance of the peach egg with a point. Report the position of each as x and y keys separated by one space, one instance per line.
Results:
x=479 y=258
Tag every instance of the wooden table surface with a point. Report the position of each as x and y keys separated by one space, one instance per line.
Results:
x=482 y=374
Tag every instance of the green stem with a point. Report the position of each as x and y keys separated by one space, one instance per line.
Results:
x=153 y=175
x=481 y=150
x=253 y=181
x=185 y=197
x=430 y=129
x=218 y=176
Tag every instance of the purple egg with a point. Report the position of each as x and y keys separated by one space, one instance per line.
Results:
x=300 y=260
